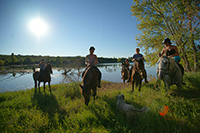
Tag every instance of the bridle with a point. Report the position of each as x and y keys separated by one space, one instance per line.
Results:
x=167 y=68
x=137 y=69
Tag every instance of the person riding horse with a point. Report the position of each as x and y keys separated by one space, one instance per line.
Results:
x=42 y=66
x=126 y=63
x=135 y=57
x=91 y=61
x=172 y=51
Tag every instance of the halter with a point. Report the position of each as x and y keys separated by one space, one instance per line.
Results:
x=166 y=70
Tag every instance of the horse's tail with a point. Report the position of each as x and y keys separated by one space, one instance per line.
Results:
x=33 y=69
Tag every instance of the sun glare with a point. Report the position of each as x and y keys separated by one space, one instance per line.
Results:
x=38 y=27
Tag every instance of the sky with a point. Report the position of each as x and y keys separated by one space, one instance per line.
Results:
x=72 y=26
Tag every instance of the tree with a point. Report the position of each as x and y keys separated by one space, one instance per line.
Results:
x=1 y=62
x=28 y=60
x=178 y=20
x=14 y=60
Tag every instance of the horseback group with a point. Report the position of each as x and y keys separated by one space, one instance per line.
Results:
x=91 y=77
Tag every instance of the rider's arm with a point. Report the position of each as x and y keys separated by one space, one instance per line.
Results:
x=160 y=54
x=133 y=58
x=39 y=65
x=86 y=60
x=96 y=60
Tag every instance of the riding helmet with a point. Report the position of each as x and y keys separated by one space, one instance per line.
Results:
x=92 y=48
x=166 y=40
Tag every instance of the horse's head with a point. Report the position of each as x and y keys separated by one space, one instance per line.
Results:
x=49 y=68
x=86 y=84
x=123 y=67
x=139 y=65
x=163 y=67
x=86 y=94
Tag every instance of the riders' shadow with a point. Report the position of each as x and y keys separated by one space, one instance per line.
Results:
x=48 y=104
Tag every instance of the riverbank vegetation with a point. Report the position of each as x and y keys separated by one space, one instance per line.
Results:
x=64 y=110
x=6 y=60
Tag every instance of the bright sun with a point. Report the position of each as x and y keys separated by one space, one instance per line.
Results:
x=38 y=27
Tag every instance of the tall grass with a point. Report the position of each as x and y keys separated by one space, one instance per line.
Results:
x=63 y=110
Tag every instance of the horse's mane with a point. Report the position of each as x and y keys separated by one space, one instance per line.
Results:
x=85 y=74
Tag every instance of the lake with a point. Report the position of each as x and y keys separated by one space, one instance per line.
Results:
x=22 y=80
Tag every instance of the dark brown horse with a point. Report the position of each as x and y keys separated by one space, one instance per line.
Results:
x=137 y=73
x=45 y=77
x=124 y=72
x=89 y=82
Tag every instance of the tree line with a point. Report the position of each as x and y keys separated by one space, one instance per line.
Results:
x=6 y=60
x=178 y=20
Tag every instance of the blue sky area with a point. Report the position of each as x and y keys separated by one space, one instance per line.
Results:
x=73 y=26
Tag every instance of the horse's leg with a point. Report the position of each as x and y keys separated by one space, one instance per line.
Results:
x=94 y=92
x=44 y=86
x=39 y=85
x=132 y=86
x=140 y=85
x=35 y=84
x=49 y=86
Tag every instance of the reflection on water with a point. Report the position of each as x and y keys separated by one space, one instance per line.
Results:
x=21 y=80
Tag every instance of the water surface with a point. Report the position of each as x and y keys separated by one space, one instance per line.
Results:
x=22 y=80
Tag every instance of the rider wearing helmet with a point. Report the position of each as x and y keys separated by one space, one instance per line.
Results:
x=42 y=66
x=172 y=51
x=135 y=57
x=91 y=61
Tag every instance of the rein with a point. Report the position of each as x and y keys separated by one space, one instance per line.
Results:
x=166 y=70
x=137 y=70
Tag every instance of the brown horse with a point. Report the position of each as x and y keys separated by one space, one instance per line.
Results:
x=45 y=76
x=124 y=72
x=137 y=73
x=89 y=82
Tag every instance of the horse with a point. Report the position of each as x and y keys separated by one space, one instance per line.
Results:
x=45 y=76
x=137 y=73
x=124 y=72
x=89 y=82
x=169 y=71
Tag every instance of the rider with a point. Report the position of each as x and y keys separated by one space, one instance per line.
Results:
x=135 y=57
x=126 y=63
x=91 y=61
x=172 y=51
x=42 y=66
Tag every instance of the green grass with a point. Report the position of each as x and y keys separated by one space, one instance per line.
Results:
x=63 y=110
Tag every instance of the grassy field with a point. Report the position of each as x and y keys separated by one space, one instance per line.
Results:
x=63 y=110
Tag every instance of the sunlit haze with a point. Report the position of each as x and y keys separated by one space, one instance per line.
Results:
x=67 y=27
x=38 y=26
